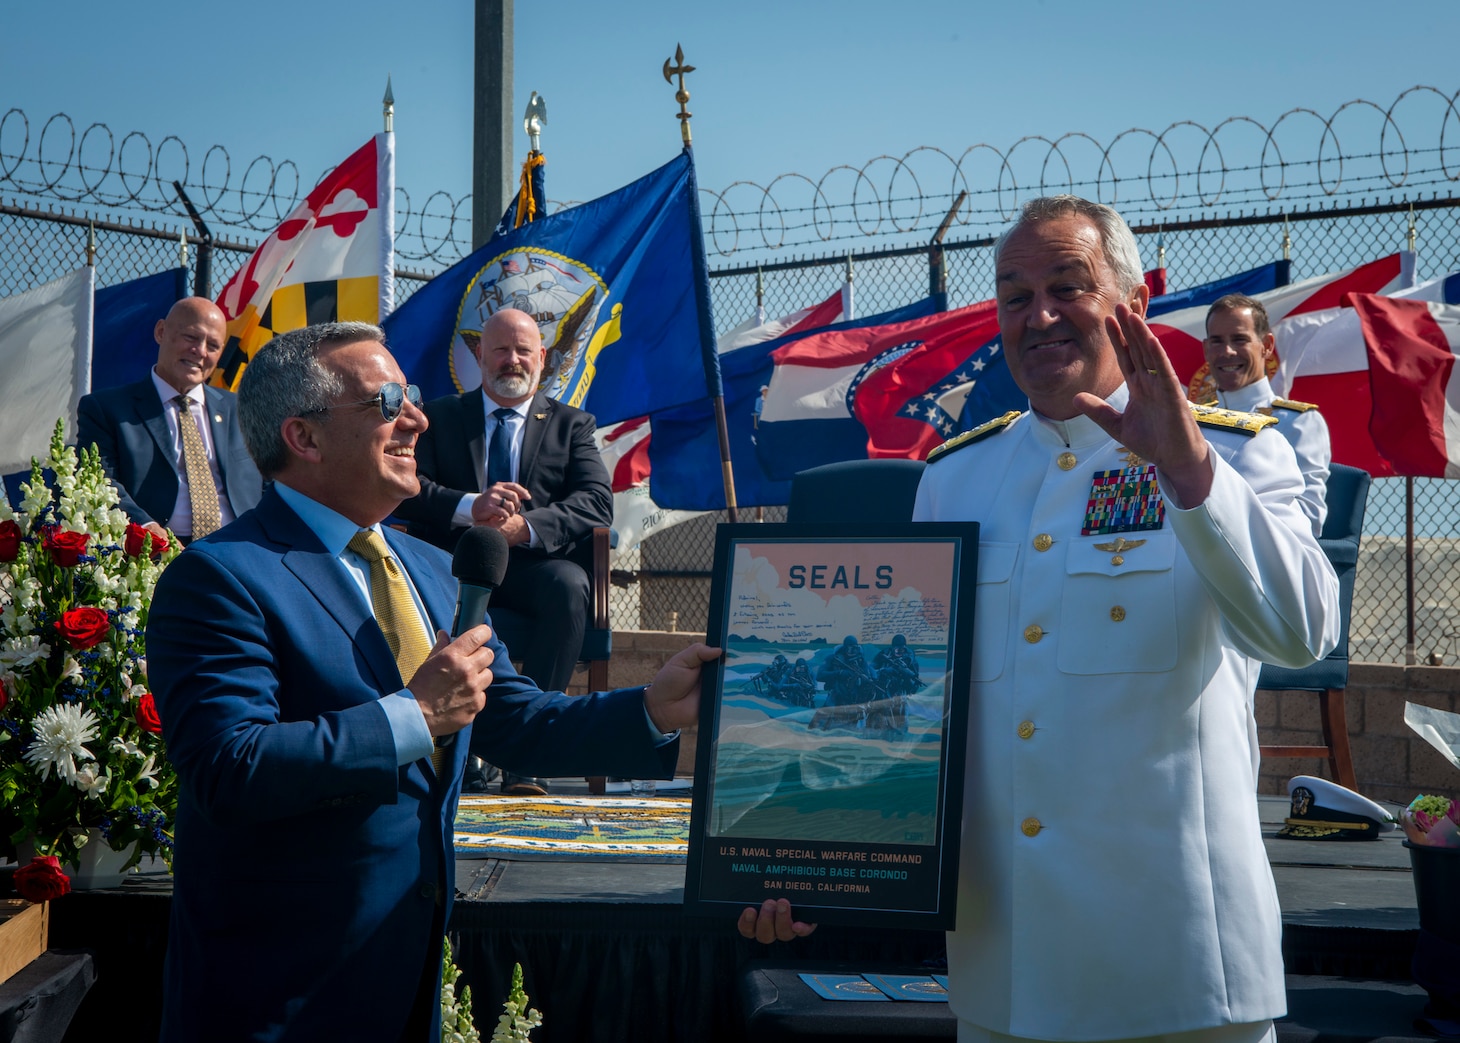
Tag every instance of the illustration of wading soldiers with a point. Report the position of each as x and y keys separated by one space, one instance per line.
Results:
x=897 y=668
x=847 y=677
x=772 y=677
x=800 y=686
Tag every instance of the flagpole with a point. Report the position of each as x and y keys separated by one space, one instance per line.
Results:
x=1409 y=659
x=707 y=347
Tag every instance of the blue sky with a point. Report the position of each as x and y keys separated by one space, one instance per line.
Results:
x=782 y=85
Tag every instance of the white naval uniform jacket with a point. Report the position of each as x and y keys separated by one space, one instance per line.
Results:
x=1113 y=881
x=1305 y=430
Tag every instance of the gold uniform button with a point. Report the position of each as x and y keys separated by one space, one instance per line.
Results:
x=1033 y=632
x=1119 y=559
x=1043 y=542
x=1030 y=827
x=1117 y=613
x=1026 y=729
x=1066 y=461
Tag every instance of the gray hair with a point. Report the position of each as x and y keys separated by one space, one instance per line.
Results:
x=285 y=379
x=1116 y=239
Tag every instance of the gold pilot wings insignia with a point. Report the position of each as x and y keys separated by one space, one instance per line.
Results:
x=1231 y=419
x=1120 y=544
x=969 y=437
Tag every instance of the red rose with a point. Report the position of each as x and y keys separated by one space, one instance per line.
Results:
x=9 y=540
x=136 y=536
x=66 y=547
x=42 y=879
x=84 y=627
x=147 y=718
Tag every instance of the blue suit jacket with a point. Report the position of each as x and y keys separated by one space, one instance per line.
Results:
x=313 y=875
x=129 y=428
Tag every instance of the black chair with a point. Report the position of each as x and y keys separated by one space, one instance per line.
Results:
x=1347 y=497
x=855 y=491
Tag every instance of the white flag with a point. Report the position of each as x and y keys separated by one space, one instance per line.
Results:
x=45 y=360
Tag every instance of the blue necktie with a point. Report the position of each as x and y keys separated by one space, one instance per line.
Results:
x=499 y=456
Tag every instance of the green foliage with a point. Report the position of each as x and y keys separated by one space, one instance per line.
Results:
x=79 y=743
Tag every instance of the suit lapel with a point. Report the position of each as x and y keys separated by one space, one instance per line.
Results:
x=475 y=417
x=326 y=579
x=218 y=422
x=539 y=411
x=151 y=413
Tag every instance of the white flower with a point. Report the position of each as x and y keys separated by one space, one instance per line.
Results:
x=128 y=747
x=59 y=732
x=21 y=652
x=88 y=781
x=147 y=776
x=70 y=670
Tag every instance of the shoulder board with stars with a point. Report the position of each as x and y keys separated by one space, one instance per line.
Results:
x=1231 y=419
x=969 y=437
x=1297 y=407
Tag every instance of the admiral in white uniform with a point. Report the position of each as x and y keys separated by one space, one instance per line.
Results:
x=1238 y=345
x=1133 y=570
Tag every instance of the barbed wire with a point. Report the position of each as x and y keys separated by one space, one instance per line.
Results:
x=1185 y=168
x=896 y=200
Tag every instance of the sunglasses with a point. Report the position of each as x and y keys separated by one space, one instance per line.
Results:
x=391 y=398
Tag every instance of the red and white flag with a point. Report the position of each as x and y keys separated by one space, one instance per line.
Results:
x=1411 y=346
x=332 y=259
x=1312 y=364
x=625 y=446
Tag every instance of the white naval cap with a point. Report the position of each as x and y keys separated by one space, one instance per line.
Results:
x=1323 y=810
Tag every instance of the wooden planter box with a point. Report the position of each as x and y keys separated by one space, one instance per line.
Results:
x=23 y=930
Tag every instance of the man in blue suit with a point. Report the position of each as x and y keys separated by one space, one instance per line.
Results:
x=314 y=866
x=144 y=446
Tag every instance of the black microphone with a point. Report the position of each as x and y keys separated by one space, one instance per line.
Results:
x=479 y=564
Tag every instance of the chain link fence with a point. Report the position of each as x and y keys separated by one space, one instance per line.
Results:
x=676 y=562
x=665 y=583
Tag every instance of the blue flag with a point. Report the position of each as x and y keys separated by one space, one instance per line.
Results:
x=684 y=454
x=995 y=392
x=618 y=286
x=123 y=349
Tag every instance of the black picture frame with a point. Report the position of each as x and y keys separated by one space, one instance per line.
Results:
x=835 y=786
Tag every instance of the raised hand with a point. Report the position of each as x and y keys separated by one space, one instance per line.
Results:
x=1157 y=424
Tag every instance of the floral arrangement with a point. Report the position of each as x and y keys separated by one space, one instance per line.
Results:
x=457 y=1025
x=517 y=1020
x=81 y=750
x=1432 y=822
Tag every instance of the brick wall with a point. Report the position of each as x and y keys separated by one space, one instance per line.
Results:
x=1390 y=762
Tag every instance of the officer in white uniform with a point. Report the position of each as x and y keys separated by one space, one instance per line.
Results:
x=1134 y=567
x=1238 y=347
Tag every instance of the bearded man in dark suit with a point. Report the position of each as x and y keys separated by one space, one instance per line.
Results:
x=512 y=458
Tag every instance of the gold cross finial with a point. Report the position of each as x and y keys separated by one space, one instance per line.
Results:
x=681 y=95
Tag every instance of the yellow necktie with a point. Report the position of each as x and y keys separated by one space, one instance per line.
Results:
x=395 y=611
x=201 y=491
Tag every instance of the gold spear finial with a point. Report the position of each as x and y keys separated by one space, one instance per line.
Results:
x=91 y=244
x=389 y=102
x=681 y=95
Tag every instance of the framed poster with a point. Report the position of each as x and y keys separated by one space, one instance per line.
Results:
x=829 y=769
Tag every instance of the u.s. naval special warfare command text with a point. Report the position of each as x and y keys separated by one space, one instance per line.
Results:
x=854 y=875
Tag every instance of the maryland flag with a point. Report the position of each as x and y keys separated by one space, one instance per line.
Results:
x=332 y=259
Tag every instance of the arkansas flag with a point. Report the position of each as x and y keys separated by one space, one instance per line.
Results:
x=332 y=259
x=1411 y=346
x=872 y=391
